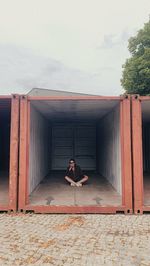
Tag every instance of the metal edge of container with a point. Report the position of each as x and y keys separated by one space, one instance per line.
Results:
x=13 y=162
x=137 y=154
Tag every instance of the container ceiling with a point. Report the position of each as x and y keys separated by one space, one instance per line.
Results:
x=75 y=109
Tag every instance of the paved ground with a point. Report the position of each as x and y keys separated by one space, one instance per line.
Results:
x=92 y=240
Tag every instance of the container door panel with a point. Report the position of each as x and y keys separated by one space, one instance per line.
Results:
x=62 y=146
x=85 y=147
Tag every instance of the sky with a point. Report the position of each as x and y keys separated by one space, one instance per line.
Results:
x=71 y=45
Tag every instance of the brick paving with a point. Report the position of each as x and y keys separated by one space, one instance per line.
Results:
x=92 y=240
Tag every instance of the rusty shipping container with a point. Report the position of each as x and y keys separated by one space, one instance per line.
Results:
x=9 y=122
x=141 y=152
x=94 y=130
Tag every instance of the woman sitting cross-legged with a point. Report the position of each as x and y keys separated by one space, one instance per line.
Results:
x=74 y=174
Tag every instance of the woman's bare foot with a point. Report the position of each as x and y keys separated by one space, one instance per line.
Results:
x=78 y=184
x=72 y=184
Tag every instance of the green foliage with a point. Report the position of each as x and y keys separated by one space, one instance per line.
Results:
x=136 y=70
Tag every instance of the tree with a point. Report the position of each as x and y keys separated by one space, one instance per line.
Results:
x=136 y=70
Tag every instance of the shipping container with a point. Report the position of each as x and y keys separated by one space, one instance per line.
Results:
x=96 y=132
x=141 y=152
x=9 y=139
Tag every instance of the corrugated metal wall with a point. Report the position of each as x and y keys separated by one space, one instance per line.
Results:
x=146 y=147
x=109 y=155
x=85 y=146
x=39 y=158
x=62 y=145
x=73 y=140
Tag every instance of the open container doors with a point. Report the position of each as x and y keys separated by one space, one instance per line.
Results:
x=94 y=130
x=9 y=139
x=141 y=152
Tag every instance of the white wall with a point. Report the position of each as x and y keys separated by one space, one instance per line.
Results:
x=39 y=159
x=109 y=154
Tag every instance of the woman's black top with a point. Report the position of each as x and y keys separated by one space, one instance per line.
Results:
x=77 y=173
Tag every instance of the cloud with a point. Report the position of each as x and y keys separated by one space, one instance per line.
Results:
x=125 y=35
x=108 y=42
x=114 y=40
x=21 y=70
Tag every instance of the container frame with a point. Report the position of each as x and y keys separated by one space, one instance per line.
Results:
x=137 y=154
x=14 y=152
x=125 y=138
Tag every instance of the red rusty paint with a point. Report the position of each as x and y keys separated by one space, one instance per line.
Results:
x=14 y=140
x=143 y=98
x=28 y=147
x=125 y=127
x=75 y=209
x=13 y=163
x=125 y=123
x=23 y=153
x=137 y=153
x=5 y=97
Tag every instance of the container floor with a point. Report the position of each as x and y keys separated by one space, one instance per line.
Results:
x=147 y=189
x=54 y=190
x=4 y=188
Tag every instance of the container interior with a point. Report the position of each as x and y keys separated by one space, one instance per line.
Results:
x=89 y=132
x=146 y=149
x=5 y=120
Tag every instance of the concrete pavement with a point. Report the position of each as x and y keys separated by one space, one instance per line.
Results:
x=91 y=240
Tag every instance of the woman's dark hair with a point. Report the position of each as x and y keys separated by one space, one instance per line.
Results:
x=72 y=160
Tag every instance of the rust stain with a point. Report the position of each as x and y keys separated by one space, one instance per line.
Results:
x=29 y=260
x=47 y=244
x=61 y=227
x=78 y=221
x=14 y=247
x=34 y=239
x=48 y=260
x=3 y=258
